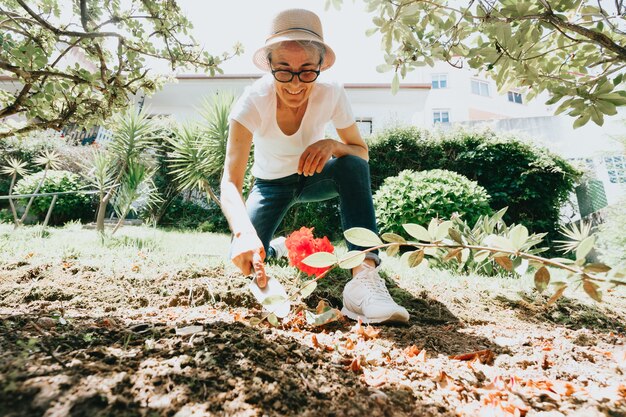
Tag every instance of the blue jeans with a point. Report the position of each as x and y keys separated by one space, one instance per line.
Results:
x=347 y=177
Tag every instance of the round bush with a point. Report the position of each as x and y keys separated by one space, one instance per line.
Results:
x=417 y=197
x=68 y=207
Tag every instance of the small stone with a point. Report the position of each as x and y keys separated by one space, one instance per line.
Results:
x=46 y=323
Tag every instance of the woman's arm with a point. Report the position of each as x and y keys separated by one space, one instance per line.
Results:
x=316 y=155
x=247 y=250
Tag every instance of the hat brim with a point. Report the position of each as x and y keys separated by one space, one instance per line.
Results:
x=260 y=56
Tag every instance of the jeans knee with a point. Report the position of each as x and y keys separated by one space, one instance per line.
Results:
x=352 y=164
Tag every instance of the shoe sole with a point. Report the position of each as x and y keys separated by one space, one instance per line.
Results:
x=394 y=318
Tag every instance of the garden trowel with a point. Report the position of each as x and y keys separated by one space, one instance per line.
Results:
x=274 y=289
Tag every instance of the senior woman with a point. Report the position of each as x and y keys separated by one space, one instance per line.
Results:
x=284 y=114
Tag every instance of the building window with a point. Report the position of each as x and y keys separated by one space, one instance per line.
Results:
x=616 y=168
x=480 y=87
x=439 y=81
x=441 y=116
x=515 y=97
x=365 y=125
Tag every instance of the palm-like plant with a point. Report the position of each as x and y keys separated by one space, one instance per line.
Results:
x=197 y=151
x=49 y=160
x=14 y=167
x=136 y=185
x=132 y=136
x=576 y=234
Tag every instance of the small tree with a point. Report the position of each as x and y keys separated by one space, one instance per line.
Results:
x=49 y=160
x=114 y=167
x=572 y=49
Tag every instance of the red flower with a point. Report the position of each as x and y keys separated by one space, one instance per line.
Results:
x=301 y=244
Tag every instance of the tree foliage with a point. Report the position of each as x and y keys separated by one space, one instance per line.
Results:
x=80 y=65
x=572 y=49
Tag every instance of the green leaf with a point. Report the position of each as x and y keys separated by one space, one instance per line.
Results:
x=352 y=259
x=393 y=238
x=585 y=247
x=481 y=256
x=522 y=267
x=308 y=288
x=320 y=260
x=597 y=267
x=361 y=236
x=432 y=228
x=499 y=242
x=417 y=231
x=321 y=319
x=542 y=279
x=518 y=236
x=273 y=320
x=415 y=258
x=442 y=230
x=392 y=250
x=395 y=84
x=456 y=235
x=255 y=321
x=563 y=261
x=274 y=300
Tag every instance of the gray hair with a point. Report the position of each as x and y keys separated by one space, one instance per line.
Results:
x=311 y=47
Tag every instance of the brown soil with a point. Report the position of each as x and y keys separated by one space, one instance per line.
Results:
x=77 y=342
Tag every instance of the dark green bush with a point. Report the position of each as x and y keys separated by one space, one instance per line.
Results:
x=67 y=207
x=323 y=216
x=187 y=214
x=530 y=180
x=417 y=197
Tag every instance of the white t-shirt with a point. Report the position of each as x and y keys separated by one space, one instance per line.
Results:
x=276 y=155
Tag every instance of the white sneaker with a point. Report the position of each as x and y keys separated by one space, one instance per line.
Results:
x=279 y=247
x=366 y=297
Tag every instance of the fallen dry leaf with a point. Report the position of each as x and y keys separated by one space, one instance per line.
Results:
x=412 y=351
x=445 y=381
x=135 y=268
x=368 y=332
x=321 y=346
x=485 y=356
x=355 y=366
x=349 y=344
x=375 y=378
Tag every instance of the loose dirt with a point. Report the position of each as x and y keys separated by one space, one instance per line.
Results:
x=75 y=341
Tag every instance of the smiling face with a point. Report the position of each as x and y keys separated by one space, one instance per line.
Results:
x=291 y=56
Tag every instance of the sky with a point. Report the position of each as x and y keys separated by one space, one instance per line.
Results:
x=219 y=24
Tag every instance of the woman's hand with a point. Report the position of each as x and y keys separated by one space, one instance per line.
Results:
x=247 y=253
x=315 y=157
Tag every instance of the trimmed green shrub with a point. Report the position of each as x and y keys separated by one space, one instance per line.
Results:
x=417 y=197
x=530 y=180
x=68 y=207
x=611 y=237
